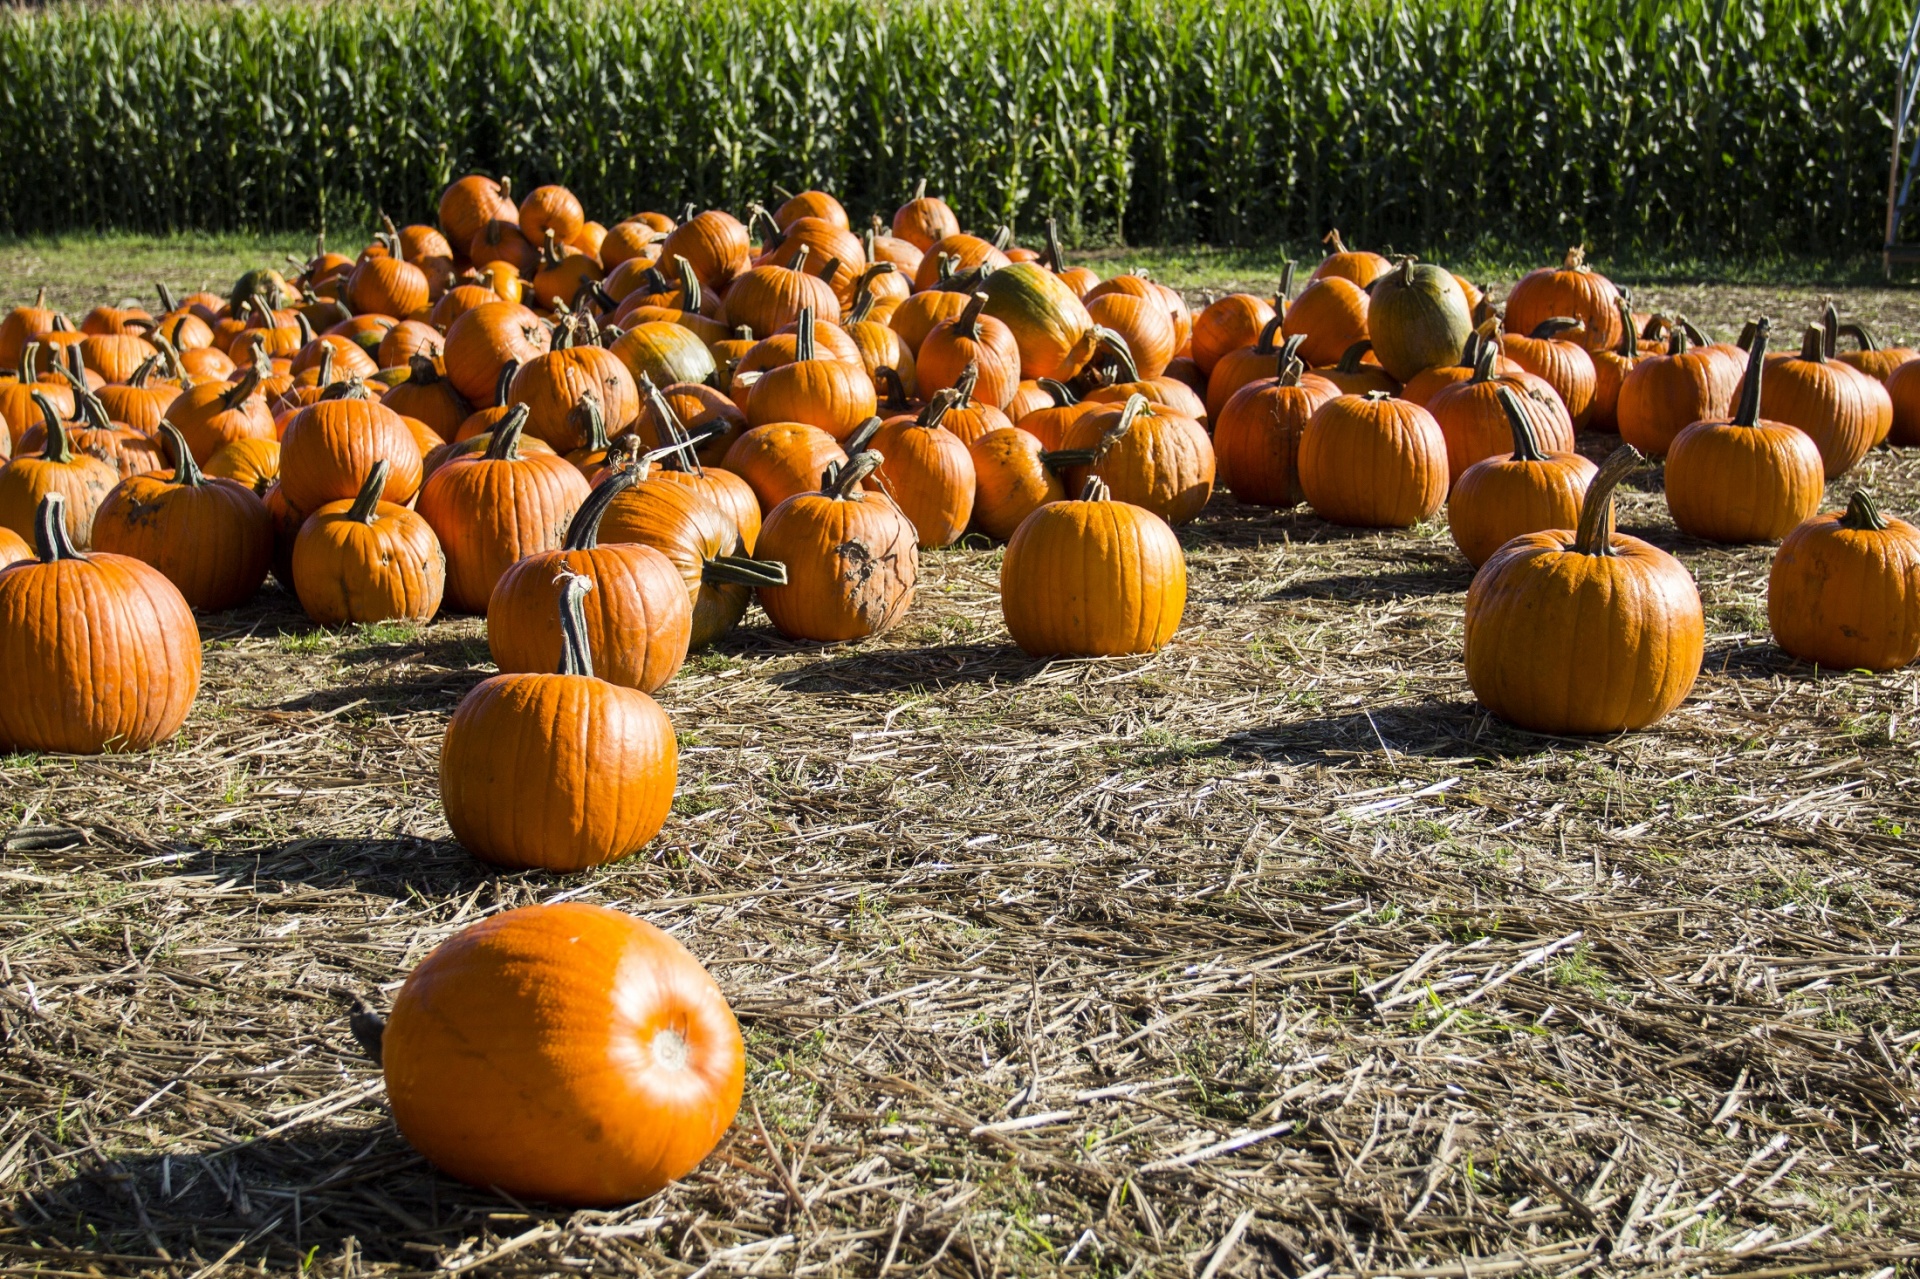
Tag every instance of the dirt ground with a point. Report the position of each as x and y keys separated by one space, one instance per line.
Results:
x=1270 y=954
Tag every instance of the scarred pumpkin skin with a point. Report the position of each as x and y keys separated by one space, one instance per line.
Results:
x=565 y=1053
x=97 y=652
x=851 y=558
x=1844 y=590
x=557 y=771
x=1563 y=636
x=212 y=538
x=1093 y=578
x=368 y=561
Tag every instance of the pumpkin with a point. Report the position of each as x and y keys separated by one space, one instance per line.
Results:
x=1587 y=631
x=426 y=248
x=1144 y=324
x=962 y=255
x=919 y=314
x=1248 y=364
x=924 y=220
x=1356 y=265
x=399 y=344
x=428 y=395
x=1846 y=411
x=253 y=464
x=1328 y=317
x=23 y=324
x=129 y=452
x=1256 y=437
x=1474 y=424
x=1610 y=368
x=1417 y=318
x=1844 y=591
x=484 y=340
x=502 y=243
x=287 y=523
x=733 y=496
x=469 y=204
x=1013 y=477
x=1876 y=361
x=665 y=352
x=1228 y=324
x=1744 y=480
x=629 y=242
x=388 y=286
x=828 y=393
x=552 y=386
x=212 y=538
x=456 y=302
x=1093 y=577
x=701 y=540
x=1355 y=374
x=1373 y=461
x=18 y=412
x=1147 y=455
x=13 y=548
x=368 y=560
x=1903 y=391
x=1499 y=498
x=1049 y=423
x=493 y=509
x=551 y=209
x=781 y=459
x=1662 y=395
x=768 y=298
x=851 y=558
x=708 y=416
x=115 y=356
x=563 y=1053
x=1050 y=325
x=638 y=616
x=1572 y=289
x=929 y=473
x=1561 y=364
x=878 y=345
x=838 y=257
x=969 y=419
x=331 y=446
x=971 y=339
x=714 y=244
x=99 y=651
x=212 y=415
x=80 y=479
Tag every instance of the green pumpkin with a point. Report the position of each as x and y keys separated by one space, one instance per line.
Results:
x=270 y=285
x=1050 y=325
x=1418 y=319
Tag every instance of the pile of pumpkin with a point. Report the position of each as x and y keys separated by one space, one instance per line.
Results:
x=609 y=440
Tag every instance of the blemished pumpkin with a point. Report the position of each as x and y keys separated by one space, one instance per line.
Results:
x=1846 y=411
x=638 y=616
x=1589 y=631
x=929 y=474
x=563 y=1053
x=1012 y=480
x=1256 y=435
x=1529 y=491
x=558 y=770
x=100 y=652
x=1373 y=461
x=491 y=510
x=212 y=538
x=1049 y=322
x=851 y=558
x=368 y=560
x=665 y=352
x=1148 y=456
x=1748 y=479
x=1571 y=289
x=1665 y=394
x=81 y=479
x=1093 y=577
x=1417 y=317
x=1844 y=591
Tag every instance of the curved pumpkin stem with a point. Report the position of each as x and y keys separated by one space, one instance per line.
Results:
x=968 y=379
x=1864 y=337
x=862 y=436
x=1748 y=412
x=1116 y=346
x=366 y=503
x=1678 y=339
x=1002 y=238
x=1549 y=329
x=58 y=448
x=744 y=570
x=50 y=540
x=1061 y=395
x=1265 y=345
x=583 y=531
x=863 y=296
x=503 y=385
x=140 y=375
x=167 y=301
x=1863 y=514
x=1055 y=262
x=1626 y=349
x=505 y=444
x=1525 y=447
x=576 y=658
x=967 y=324
x=1350 y=358
x=1595 y=535
x=938 y=406
x=684 y=454
x=1284 y=298
x=1095 y=490
x=596 y=430
x=896 y=400
x=1483 y=361
x=1334 y=245
x=1129 y=413
x=798 y=262
x=840 y=485
x=242 y=390
x=1830 y=328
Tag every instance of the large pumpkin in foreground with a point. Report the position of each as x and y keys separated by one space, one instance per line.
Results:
x=97 y=652
x=1093 y=578
x=558 y=771
x=1584 y=632
x=564 y=1054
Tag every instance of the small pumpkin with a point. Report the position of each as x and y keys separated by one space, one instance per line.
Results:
x=1354 y=374
x=428 y=395
x=484 y=340
x=1499 y=498
x=1903 y=391
x=253 y=464
x=1373 y=461
x=1846 y=411
x=1876 y=361
x=1256 y=437
x=99 y=651
x=1417 y=317
x=1744 y=480
x=563 y=1053
x=781 y=459
x=1584 y=632
x=1143 y=323
x=929 y=474
x=469 y=204
x=1227 y=324
x=1328 y=317
x=1248 y=364
x=212 y=538
x=1093 y=577
x=913 y=319
x=142 y=401
x=924 y=220
x=851 y=558
x=770 y=297
x=1844 y=590
x=665 y=352
x=368 y=560
x=211 y=416
x=1357 y=265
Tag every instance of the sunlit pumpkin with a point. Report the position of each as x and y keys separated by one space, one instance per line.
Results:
x=1844 y=590
x=1093 y=577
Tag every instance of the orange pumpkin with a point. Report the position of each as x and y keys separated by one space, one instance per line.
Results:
x=1228 y=324
x=81 y=480
x=212 y=538
x=1664 y=394
x=851 y=558
x=1573 y=289
x=1499 y=498
x=1013 y=478
x=1846 y=411
x=553 y=385
x=484 y=340
x=1330 y=315
x=924 y=220
x=831 y=394
x=368 y=560
x=1092 y=578
x=1373 y=461
x=971 y=339
x=929 y=473
x=1474 y=425
x=1148 y=456
x=1357 y=266
x=1256 y=437
x=331 y=446
x=781 y=459
x=1844 y=590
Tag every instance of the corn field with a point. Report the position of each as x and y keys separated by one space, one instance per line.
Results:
x=1653 y=124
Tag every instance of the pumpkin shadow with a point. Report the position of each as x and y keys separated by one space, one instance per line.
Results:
x=1453 y=729
x=273 y=613
x=886 y=670
x=440 y=691
x=402 y=869
x=1419 y=579
x=1765 y=662
x=1226 y=523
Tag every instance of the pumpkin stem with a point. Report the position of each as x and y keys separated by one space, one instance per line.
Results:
x=1265 y=345
x=583 y=531
x=803 y=348
x=1677 y=339
x=1525 y=447
x=830 y=269
x=1335 y=245
x=505 y=444
x=744 y=570
x=672 y=428
x=576 y=658
x=1864 y=338
x=1403 y=267
x=1059 y=392
x=352 y=388
x=1291 y=370
x=1095 y=490
x=1863 y=514
x=366 y=502
x=1002 y=238
x=920 y=190
x=863 y=298
x=798 y=262
x=1055 y=262
x=1136 y=405
x=1626 y=349
x=945 y=262
x=1694 y=335
x=862 y=436
x=1595 y=535
x=140 y=375
x=1748 y=412
x=964 y=384
x=896 y=390
x=1576 y=259
x=1284 y=298
x=242 y=390
x=967 y=323
x=1350 y=358
x=50 y=539
x=58 y=448
x=840 y=486
x=503 y=385
x=596 y=428
x=938 y=405
x=1122 y=354
x=1814 y=345
x=1830 y=328
x=1483 y=362
x=1549 y=329
x=186 y=471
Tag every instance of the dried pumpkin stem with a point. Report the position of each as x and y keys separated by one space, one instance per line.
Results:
x=1626 y=348
x=744 y=570
x=505 y=444
x=1553 y=327
x=1268 y=331
x=1284 y=298
x=1525 y=447
x=967 y=325
x=1059 y=393
x=1136 y=405
x=58 y=448
x=803 y=347
x=862 y=436
x=1095 y=490
x=1595 y=535
x=583 y=531
x=366 y=503
x=1863 y=514
x=840 y=485
x=1350 y=358
x=1813 y=344
x=1055 y=261
x=576 y=657
x=50 y=539
x=242 y=390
